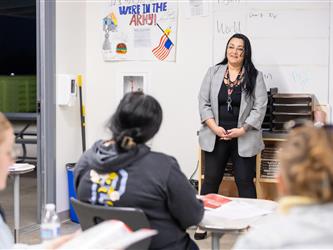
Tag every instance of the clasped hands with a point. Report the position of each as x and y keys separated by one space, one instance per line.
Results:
x=229 y=134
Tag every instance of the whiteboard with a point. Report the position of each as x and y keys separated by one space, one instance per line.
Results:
x=290 y=41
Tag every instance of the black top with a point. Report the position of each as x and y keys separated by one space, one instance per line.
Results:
x=142 y=179
x=229 y=119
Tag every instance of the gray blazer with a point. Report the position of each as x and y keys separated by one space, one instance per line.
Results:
x=252 y=111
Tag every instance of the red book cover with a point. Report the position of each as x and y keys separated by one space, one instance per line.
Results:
x=214 y=200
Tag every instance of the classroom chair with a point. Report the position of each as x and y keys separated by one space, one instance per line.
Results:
x=90 y=215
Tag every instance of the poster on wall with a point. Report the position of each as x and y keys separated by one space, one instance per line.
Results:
x=140 y=30
x=196 y=8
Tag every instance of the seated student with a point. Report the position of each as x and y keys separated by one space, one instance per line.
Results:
x=124 y=172
x=306 y=184
x=6 y=160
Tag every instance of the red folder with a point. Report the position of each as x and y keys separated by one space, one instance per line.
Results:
x=214 y=200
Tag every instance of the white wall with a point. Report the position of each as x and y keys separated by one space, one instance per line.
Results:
x=330 y=77
x=70 y=59
x=175 y=85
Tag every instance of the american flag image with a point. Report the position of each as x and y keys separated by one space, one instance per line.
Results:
x=163 y=49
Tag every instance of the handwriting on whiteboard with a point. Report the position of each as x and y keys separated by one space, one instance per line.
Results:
x=263 y=15
x=226 y=28
x=227 y=2
x=299 y=78
x=267 y=76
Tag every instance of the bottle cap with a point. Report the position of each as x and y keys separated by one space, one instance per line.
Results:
x=50 y=206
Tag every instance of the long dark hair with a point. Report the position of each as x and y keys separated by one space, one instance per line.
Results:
x=250 y=72
x=137 y=119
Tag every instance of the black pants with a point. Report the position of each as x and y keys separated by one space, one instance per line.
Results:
x=243 y=168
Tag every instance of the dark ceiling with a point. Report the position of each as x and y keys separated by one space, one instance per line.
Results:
x=18 y=8
x=18 y=37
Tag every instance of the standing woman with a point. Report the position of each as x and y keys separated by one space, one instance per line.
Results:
x=232 y=106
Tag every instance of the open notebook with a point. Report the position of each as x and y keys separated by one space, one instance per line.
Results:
x=112 y=234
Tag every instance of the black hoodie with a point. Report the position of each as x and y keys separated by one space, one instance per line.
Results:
x=142 y=179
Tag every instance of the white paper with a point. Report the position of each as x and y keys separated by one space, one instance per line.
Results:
x=238 y=214
x=212 y=220
x=240 y=210
x=142 y=38
x=111 y=234
x=196 y=8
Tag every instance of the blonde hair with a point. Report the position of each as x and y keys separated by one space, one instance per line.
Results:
x=4 y=126
x=306 y=160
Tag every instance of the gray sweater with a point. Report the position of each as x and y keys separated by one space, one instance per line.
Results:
x=304 y=227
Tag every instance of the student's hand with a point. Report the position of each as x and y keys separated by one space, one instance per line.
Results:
x=58 y=242
x=235 y=133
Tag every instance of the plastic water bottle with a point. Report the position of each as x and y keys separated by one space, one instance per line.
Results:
x=50 y=227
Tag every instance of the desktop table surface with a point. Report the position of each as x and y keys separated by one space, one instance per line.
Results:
x=224 y=224
x=218 y=225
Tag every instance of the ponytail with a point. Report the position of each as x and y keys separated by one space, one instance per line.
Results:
x=127 y=139
x=137 y=119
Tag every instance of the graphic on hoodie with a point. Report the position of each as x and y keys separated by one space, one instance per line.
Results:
x=107 y=188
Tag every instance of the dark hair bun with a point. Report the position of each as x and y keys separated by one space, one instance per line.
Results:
x=137 y=119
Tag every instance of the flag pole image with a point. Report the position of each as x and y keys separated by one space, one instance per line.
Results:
x=163 y=49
